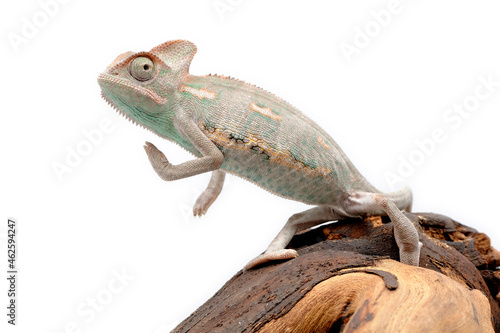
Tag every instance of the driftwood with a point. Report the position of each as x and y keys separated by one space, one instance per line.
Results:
x=347 y=279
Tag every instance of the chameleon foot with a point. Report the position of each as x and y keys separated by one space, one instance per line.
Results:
x=199 y=209
x=156 y=157
x=207 y=198
x=271 y=256
x=158 y=160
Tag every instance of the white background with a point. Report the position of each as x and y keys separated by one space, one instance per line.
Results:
x=112 y=212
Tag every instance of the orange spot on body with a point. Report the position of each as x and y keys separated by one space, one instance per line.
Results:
x=323 y=143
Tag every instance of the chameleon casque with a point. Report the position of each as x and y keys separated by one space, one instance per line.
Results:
x=233 y=127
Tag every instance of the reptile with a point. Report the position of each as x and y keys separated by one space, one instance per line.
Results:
x=234 y=127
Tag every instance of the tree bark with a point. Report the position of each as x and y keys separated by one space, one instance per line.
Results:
x=347 y=278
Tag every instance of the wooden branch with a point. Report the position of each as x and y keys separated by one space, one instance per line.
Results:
x=347 y=279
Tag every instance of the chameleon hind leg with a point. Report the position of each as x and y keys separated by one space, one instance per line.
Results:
x=362 y=203
x=296 y=223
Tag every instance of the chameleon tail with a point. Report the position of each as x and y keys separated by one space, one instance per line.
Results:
x=402 y=198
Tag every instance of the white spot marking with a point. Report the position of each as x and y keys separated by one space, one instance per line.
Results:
x=264 y=111
x=200 y=93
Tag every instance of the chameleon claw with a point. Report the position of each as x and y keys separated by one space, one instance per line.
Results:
x=149 y=147
x=199 y=211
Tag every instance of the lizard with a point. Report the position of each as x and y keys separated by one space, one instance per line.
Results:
x=231 y=126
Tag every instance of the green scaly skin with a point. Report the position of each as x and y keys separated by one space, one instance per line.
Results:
x=237 y=128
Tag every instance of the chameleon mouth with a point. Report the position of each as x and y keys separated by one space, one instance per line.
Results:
x=111 y=80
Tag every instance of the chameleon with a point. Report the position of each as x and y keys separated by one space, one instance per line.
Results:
x=231 y=126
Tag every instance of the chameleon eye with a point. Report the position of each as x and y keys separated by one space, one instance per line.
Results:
x=142 y=69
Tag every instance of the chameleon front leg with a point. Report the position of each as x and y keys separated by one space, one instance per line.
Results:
x=211 y=193
x=296 y=223
x=212 y=157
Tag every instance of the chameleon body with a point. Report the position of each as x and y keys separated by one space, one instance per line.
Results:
x=234 y=127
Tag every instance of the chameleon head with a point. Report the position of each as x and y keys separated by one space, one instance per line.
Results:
x=142 y=85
